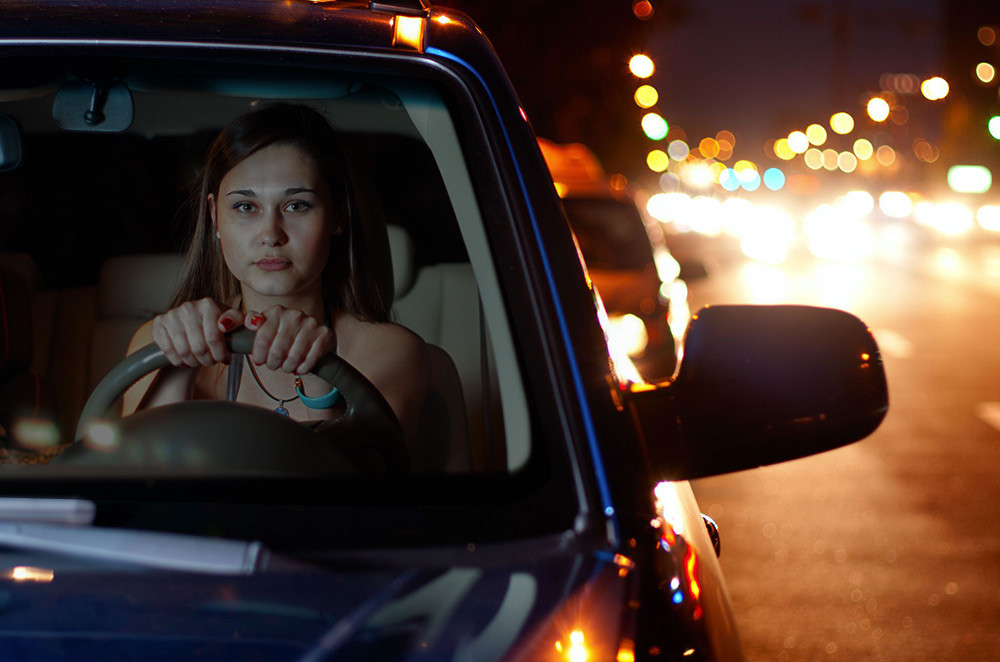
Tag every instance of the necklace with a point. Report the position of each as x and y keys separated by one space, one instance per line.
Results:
x=280 y=409
x=322 y=402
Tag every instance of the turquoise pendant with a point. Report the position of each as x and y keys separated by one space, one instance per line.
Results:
x=322 y=402
x=280 y=409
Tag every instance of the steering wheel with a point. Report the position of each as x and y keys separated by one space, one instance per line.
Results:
x=212 y=436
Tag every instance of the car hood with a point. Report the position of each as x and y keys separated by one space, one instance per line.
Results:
x=480 y=605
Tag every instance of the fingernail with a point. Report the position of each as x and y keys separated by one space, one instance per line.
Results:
x=256 y=319
x=227 y=324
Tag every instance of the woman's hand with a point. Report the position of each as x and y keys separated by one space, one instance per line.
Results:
x=288 y=340
x=192 y=334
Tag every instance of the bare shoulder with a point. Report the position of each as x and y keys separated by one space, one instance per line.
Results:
x=386 y=339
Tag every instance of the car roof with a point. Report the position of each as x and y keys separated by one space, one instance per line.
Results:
x=302 y=23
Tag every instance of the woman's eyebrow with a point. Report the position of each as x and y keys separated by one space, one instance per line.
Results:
x=299 y=189
x=246 y=192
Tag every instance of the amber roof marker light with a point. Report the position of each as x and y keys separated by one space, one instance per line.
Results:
x=409 y=23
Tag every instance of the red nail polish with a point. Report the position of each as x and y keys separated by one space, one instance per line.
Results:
x=227 y=324
x=255 y=319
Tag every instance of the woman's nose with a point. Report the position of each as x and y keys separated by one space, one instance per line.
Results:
x=272 y=232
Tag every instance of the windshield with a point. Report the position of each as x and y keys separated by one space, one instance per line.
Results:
x=94 y=226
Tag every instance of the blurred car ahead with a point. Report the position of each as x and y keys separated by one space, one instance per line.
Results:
x=627 y=259
x=546 y=513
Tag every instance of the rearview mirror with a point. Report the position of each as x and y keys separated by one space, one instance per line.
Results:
x=759 y=385
x=85 y=105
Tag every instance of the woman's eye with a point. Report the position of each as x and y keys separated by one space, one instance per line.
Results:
x=244 y=207
x=298 y=205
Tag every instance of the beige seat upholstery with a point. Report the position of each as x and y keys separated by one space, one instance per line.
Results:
x=132 y=289
x=440 y=303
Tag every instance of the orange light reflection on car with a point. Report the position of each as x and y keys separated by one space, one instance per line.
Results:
x=408 y=32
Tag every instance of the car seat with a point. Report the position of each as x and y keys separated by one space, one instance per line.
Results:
x=27 y=408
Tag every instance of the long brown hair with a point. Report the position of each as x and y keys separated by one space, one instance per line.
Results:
x=348 y=282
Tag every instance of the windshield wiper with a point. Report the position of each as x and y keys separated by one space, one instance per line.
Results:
x=52 y=511
x=60 y=526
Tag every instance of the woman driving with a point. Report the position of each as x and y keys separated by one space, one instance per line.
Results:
x=277 y=249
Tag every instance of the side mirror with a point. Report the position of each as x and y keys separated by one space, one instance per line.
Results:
x=759 y=385
x=11 y=147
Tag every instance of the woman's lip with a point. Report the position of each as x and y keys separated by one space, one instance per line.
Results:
x=273 y=264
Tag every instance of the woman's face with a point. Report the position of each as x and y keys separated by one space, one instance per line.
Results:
x=273 y=214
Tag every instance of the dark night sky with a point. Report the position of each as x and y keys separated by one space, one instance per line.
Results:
x=759 y=68
x=765 y=67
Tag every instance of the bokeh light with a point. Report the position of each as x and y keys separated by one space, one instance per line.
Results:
x=925 y=151
x=657 y=160
x=678 y=150
x=878 y=109
x=709 y=148
x=859 y=203
x=987 y=35
x=749 y=179
x=729 y=179
x=641 y=66
x=774 y=179
x=895 y=204
x=994 y=126
x=654 y=126
x=847 y=162
x=813 y=158
x=985 y=72
x=885 y=155
x=646 y=96
x=863 y=149
x=727 y=143
x=969 y=178
x=934 y=89
x=842 y=123
x=798 y=142
x=816 y=134
x=643 y=9
x=669 y=182
x=830 y=159
x=782 y=149
x=988 y=218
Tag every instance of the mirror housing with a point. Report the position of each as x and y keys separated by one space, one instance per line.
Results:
x=11 y=143
x=89 y=106
x=759 y=385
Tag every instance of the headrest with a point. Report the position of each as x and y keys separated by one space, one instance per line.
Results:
x=137 y=286
x=401 y=250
